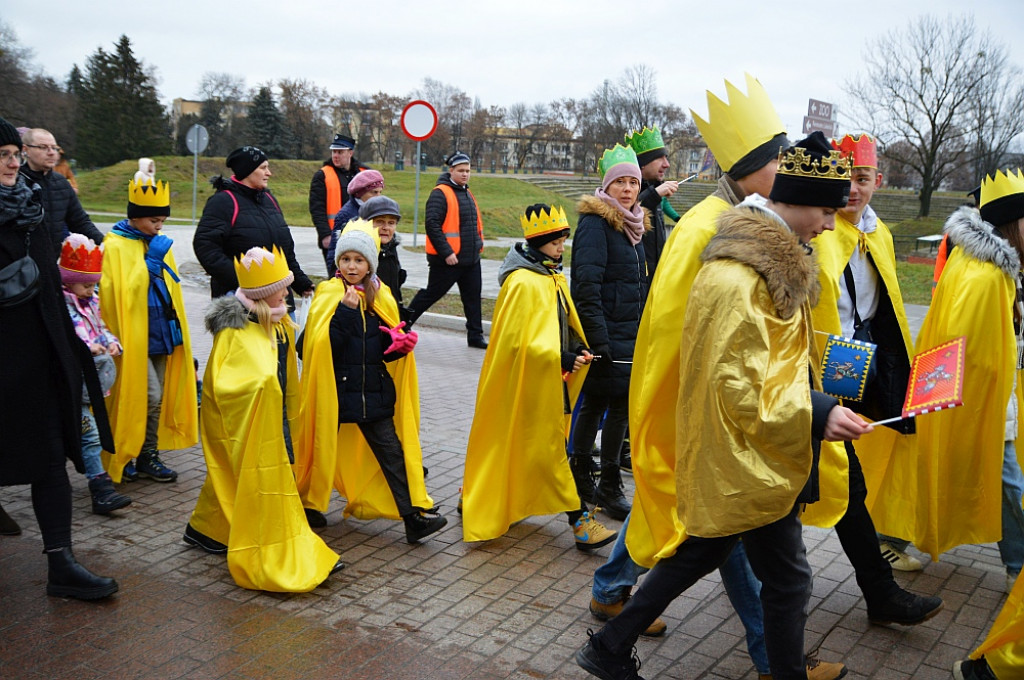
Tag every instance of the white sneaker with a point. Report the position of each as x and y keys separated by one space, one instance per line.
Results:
x=900 y=560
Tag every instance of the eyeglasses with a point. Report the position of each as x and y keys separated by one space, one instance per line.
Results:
x=45 y=147
x=6 y=156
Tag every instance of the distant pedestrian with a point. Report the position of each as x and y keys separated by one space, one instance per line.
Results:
x=328 y=190
x=385 y=214
x=362 y=188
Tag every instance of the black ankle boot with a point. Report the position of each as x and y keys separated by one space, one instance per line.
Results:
x=582 y=474
x=68 y=578
x=8 y=527
x=105 y=499
x=420 y=524
x=609 y=492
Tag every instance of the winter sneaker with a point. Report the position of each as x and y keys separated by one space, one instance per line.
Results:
x=315 y=518
x=823 y=670
x=899 y=559
x=149 y=465
x=421 y=524
x=609 y=493
x=106 y=499
x=969 y=669
x=904 y=608
x=606 y=665
x=605 y=612
x=591 y=534
x=129 y=474
x=204 y=542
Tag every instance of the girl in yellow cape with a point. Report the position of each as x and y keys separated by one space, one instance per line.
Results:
x=516 y=463
x=249 y=507
x=359 y=429
x=967 y=457
x=152 y=404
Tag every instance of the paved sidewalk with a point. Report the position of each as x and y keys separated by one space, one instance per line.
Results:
x=514 y=608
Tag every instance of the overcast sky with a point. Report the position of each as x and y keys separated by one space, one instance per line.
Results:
x=500 y=52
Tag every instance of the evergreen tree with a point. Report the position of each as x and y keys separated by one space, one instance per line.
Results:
x=119 y=113
x=266 y=126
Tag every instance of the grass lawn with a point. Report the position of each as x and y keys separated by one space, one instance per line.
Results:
x=501 y=198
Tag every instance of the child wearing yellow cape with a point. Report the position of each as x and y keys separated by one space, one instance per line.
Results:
x=249 y=506
x=516 y=463
x=359 y=429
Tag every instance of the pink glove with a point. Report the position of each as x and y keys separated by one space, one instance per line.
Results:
x=402 y=343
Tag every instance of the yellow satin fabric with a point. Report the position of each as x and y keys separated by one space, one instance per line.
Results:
x=958 y=463
x=890 y=493
x=249 y=500
x=331 y=456
x=516 y=464
x=124 y=291
x=1003 y=649
x=743 y=426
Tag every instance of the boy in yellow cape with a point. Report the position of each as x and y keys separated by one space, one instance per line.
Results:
x=371 y=455
x=249 y=507
x=516 y=463
x=152 y=404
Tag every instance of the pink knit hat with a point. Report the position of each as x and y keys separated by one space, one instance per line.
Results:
x=367 y=179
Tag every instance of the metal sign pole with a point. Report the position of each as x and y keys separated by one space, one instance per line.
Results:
x=416 y=199
x=195 y=180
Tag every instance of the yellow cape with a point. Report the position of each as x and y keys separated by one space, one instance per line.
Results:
x=331 y=456
x=889 y=492
x=249 y=500
x=516 y=464
x=654 y=527
x=958 y=462
x=124 y=290
x=1004 y=647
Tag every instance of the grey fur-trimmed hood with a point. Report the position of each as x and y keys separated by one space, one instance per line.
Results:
x=592 y=205
x=759 y=240
x=225 y=312
x=967 y=230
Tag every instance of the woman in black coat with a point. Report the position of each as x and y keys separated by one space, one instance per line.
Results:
x=609 y=287
x=41 y=379
x=243 y=215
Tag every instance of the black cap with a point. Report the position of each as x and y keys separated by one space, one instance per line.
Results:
x=9 y=134
x=243 y=161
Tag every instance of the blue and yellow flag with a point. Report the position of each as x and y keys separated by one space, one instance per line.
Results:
x=845 y=364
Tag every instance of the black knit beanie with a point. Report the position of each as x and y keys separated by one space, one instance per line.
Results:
x=9 y=135
x=243 y=161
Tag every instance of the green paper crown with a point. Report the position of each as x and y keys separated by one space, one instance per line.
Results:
x=646 y=140
x=615 y=155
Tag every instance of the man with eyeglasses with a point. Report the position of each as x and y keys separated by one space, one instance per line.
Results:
x=63 y=213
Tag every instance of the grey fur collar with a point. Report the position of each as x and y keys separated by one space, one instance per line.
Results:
x=225 y=312
x=967 y=230
x=757 y=239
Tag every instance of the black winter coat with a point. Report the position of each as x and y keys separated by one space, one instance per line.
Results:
x=435 y=214
x=41 y=372
x=609 y=287
x=389 y=269
x=318 y=193
x=654 y=240
x=366 y=392
x=259 y=223
x=63 y=211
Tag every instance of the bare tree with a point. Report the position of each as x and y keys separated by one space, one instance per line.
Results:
x=998 y=115
x=304 y=106
x=921 y=85
x=638 y=91
x=223 y=111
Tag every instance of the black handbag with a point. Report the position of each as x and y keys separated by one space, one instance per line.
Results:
x=19 y=281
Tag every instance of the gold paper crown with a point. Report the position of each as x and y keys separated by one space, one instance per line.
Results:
x=266 y=268
x=796 y=162
x=544 y=222
x=1001 y=185
x=735 y=129
x=359 y=224
x=148 y=193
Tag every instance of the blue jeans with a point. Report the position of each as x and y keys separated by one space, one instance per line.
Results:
x=614 y=578
x=91 y=447
x=1011 y=548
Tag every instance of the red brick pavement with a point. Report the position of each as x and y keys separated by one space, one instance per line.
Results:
x=511 y=608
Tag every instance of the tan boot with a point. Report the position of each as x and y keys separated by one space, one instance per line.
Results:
x=605 y=612
x=816 y=670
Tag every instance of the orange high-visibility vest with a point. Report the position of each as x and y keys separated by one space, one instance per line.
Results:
x=333 y=186
x=940 y=261
x=450 y=228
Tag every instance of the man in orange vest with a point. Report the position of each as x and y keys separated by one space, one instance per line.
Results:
x=455 y=238
x=328 y=190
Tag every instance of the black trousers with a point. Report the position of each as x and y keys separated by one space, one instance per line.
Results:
x=616 y=423
x=856 y=531
x=387 y=449
x=440 y=280
x=51 y=496
x=778 y=558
